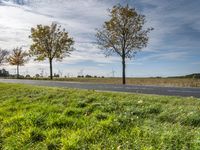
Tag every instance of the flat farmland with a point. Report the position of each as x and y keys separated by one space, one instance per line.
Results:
x=171 y=82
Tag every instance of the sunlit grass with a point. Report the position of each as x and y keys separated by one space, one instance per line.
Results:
x=52 y=118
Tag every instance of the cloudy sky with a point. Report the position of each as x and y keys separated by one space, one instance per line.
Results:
x=173 y=49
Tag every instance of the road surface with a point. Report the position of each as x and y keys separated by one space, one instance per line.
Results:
x=170 y=91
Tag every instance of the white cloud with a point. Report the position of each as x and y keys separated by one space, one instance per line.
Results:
x=171 y=20
x=15 y=25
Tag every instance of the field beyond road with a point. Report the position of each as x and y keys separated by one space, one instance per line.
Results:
x=34 y=117
x=169 y=82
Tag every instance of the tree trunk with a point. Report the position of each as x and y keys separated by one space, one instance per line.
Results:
x=17 y=71
x=51 y=70
x=123 y=70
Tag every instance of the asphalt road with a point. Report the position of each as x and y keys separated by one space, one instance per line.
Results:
x=170 y=91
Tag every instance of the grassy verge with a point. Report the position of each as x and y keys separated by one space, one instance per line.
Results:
x=52 y=118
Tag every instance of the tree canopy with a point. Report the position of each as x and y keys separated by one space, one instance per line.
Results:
x=3 y=55
x=123 y=34
x=50 y=42
x=18 y=57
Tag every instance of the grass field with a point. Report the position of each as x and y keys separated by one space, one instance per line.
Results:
x=174 y=82
x=51 y=118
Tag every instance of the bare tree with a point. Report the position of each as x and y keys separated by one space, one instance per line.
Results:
x=3 y=55
x=18 y=58
x=123 y=34
x=50 y=42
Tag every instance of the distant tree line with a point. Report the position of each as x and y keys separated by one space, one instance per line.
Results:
x=89 y=76
x=4 y=73
x=194 y=76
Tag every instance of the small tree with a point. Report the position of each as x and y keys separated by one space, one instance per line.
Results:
x=50 y=42
x=3 y=55
x=123 y=34
x=18 y=58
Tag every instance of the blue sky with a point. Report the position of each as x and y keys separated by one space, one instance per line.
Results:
x=173 y=49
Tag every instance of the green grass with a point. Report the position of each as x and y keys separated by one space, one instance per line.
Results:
x=52 y=118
